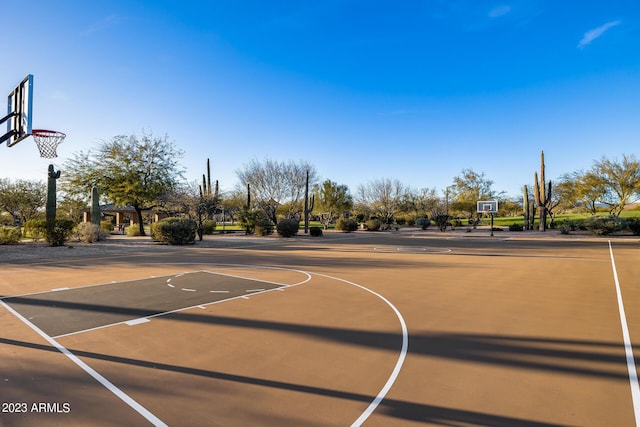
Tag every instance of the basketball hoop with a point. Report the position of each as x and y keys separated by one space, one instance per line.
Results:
x=47 y=141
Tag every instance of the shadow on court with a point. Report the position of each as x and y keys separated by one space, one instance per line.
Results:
x=600 y=361
x=553 y=355
x=394 y=408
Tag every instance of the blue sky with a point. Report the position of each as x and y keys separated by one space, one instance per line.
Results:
x=413 y=90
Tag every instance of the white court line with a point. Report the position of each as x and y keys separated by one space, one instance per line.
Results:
x=631 y=364
x=403 y=353
x=88 y=286
x=258 y=280
x=137 y=321
x=164 y=313
x=102 y=380
x=363 y=417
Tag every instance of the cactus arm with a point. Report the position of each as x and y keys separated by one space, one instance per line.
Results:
x=536 y=188
x=208 y=179
x=543 y=199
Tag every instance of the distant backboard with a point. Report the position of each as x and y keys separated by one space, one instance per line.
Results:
x=488 y=206
x=19 y=112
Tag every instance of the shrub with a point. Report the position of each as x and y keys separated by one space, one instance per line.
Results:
x=133 y=230
x=153 y=230
x=565 y=229
x=577 y=224
x=175 y=231
x=9 y=235
x=373 y=224
x=634 y=226
x=442 y=221
x=288 y=227
x=58 y=231
x=423 y=223
x=6 y=220
x=346 y=224
x=209 y=226
x=106 y=226
x=315 y=231
x=603 y=226
x=516 y=227
x=89 y=233
x=263 y=227
x=249 y=218
x=35 y=228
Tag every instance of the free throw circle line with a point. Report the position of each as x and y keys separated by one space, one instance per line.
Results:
x=403 y=352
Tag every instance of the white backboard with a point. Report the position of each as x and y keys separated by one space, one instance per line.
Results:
x=488 y=206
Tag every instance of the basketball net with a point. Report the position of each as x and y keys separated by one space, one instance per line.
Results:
x=47 y=142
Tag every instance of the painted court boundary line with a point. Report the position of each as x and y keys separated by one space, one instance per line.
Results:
x=102 y=380
x=403 y=353
x=631 y=364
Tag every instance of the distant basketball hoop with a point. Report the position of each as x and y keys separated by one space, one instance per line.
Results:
x=488 y=207
x=47 y=142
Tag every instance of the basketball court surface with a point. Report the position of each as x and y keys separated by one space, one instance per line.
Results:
x=375 y=329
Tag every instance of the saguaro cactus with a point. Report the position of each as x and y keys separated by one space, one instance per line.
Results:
x=208 y=179
x=307 y=208
x=95 y=206
x=525 y=207
x=542 y=194
x=50 y=212
x=529 y=208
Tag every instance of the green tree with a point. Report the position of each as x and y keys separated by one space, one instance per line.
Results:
x=232 y=203
x=129 y=170
x=621 y=179
x=419 y=203
x=567 y=193
x=188 y=200
x=510 y=207
x=590 y=189
x=72 y=208
x=22 y=199
x=468 y=189
x=331 y=200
